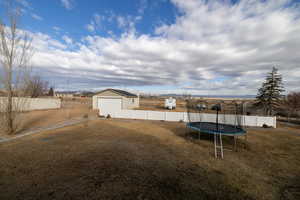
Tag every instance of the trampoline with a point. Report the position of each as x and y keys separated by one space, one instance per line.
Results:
x=227 y=120
x=213 y=128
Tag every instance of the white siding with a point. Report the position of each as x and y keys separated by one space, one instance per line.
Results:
x=130 y=103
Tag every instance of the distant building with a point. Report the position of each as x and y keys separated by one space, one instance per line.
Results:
x=64 y=94
x=114 y=99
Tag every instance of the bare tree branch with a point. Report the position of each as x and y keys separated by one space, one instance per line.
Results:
x=15 y=54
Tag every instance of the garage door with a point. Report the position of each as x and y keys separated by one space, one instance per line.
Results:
x=109 y=105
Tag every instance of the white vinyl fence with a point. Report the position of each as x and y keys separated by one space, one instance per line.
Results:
x=27 y=104
x=256 y=121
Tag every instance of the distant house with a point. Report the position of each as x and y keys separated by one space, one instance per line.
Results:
x=114 y=99
x=64 y=94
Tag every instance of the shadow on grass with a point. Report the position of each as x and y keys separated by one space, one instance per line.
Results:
x=291 y=191
x=206 y=139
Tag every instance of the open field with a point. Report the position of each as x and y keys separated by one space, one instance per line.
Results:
x=131 y=159
x=157 y=104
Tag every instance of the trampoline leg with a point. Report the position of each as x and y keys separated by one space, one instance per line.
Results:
x=235 y=141
x=245 y=141
x=218 y=145
x=199 y=135
x=186 y=132
x=215 y=142
x=221 y=146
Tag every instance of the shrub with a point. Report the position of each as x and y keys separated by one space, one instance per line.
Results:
x=85 y=116
x=266 y=126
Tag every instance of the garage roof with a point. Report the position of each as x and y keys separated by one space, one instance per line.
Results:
x=120 y=92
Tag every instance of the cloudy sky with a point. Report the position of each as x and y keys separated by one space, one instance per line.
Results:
x=217 y=47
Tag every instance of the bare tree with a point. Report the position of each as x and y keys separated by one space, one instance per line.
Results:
x=15 y=53
x=35 y=87
x=291 y=103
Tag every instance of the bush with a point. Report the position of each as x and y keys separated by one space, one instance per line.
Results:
x=266 y=126
x=85 y=116
x=108 y=116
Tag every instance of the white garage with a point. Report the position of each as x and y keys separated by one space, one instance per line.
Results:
x=114 y=100
x=111 y=104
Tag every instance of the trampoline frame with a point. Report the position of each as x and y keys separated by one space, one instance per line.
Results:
x=242 y=132
x=219 y=134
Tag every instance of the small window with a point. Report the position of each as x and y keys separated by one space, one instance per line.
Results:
x=132 y=100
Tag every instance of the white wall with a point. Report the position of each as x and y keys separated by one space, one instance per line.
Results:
x=245 y=120
x=95 y=102
x=27 y=104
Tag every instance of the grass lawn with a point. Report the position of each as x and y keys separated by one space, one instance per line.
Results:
x=128 y=159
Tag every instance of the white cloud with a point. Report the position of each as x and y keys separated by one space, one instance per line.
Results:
x=56 y=28
x=127 y=23
x=68 y=4
x=122 y=22
x=37 y=17
x=67 y=39
x=97 y=18
x=95 y=23
x=212 y=48
x=90 y=27
x=142 y=7
x=24 y=3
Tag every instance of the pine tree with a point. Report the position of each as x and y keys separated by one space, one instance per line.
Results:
x=269 y=95
x=51 y=92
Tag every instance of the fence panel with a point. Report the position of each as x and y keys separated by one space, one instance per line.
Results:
x=174 y=116
x=255 y=121
x=266 y=120
x=139 y=114
x=250 y=120
x=156 y=115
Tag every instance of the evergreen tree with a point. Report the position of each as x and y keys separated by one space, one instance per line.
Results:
x=269 y=95
x=51 y=92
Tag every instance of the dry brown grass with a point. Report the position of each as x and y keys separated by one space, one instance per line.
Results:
x=71 y=109
x=131 y=159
